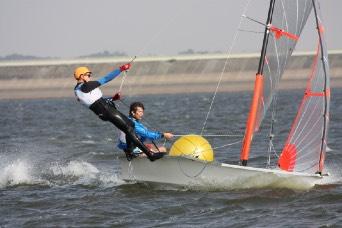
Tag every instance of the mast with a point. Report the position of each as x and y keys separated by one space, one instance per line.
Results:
x=258 y=86
x=326 y=93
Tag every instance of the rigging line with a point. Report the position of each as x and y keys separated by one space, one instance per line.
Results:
x=270 y=145
x=125 y=74
x=251 y=19
x=225 y=65
x=274 y=91
x=154 y=37
x=225 y=145
x=160 y=31
x=275 y=152
x=271 y=132
x=251 y=31
x=211 y=135
x=122 y=81
x=272 y=150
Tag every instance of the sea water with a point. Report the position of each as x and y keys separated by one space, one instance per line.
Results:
x=59 y=167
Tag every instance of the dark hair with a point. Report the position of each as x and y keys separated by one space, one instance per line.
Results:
x=134 y=106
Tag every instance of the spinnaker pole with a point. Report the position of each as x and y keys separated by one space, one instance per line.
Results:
x=258 y=88
x=326 y=93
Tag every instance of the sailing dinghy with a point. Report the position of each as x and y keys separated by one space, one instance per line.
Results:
x=301 y=162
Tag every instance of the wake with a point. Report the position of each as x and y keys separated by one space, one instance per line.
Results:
x=25 y=172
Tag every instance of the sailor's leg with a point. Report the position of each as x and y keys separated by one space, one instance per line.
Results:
x=130 y=146
x=125 y=125
x=132 y=140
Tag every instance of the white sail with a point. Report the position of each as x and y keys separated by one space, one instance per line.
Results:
x=305 y=147
x=288 y=20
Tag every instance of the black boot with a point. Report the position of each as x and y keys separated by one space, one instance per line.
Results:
x=155 y=156
x=129 y=155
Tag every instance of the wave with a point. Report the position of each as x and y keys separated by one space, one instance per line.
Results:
x=15 y=173
x=25 y=172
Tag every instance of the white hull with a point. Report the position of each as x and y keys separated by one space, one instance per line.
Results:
x=195 y=174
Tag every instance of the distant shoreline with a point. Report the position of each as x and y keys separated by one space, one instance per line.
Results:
x=163 y=75
x=66 y=92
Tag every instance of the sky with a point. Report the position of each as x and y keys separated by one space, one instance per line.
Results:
x=71 y=28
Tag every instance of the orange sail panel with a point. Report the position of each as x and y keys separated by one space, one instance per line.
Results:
x=287 y=159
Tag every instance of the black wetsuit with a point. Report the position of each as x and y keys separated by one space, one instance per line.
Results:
x=90 y=95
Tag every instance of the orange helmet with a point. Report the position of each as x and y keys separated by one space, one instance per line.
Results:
x=80 y=71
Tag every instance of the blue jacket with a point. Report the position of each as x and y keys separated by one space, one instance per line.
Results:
x=110 y=76
x=143 y=133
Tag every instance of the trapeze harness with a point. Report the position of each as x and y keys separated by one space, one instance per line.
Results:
x=90 y=95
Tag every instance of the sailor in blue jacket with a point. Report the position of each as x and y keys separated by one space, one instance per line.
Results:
x=136 y=113
x=88 y=93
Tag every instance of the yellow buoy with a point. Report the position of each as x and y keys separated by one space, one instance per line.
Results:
x=193 y=145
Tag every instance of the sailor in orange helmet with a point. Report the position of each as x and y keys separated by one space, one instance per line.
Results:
x=88 y=93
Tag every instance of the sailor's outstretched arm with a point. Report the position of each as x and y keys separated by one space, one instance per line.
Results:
x=111 y=75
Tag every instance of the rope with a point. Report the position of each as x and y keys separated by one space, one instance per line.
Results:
x=154 y=37
x=211 y=135
x=224 y=67
x=159 y=32
x=256 y=21
x=250 y=31
x=122 y=81
x=125 y=74
x=225 y=145
x=271 y=131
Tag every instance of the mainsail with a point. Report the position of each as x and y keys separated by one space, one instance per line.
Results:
x=305 y=147
x=288 y=21
x=285 y=22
